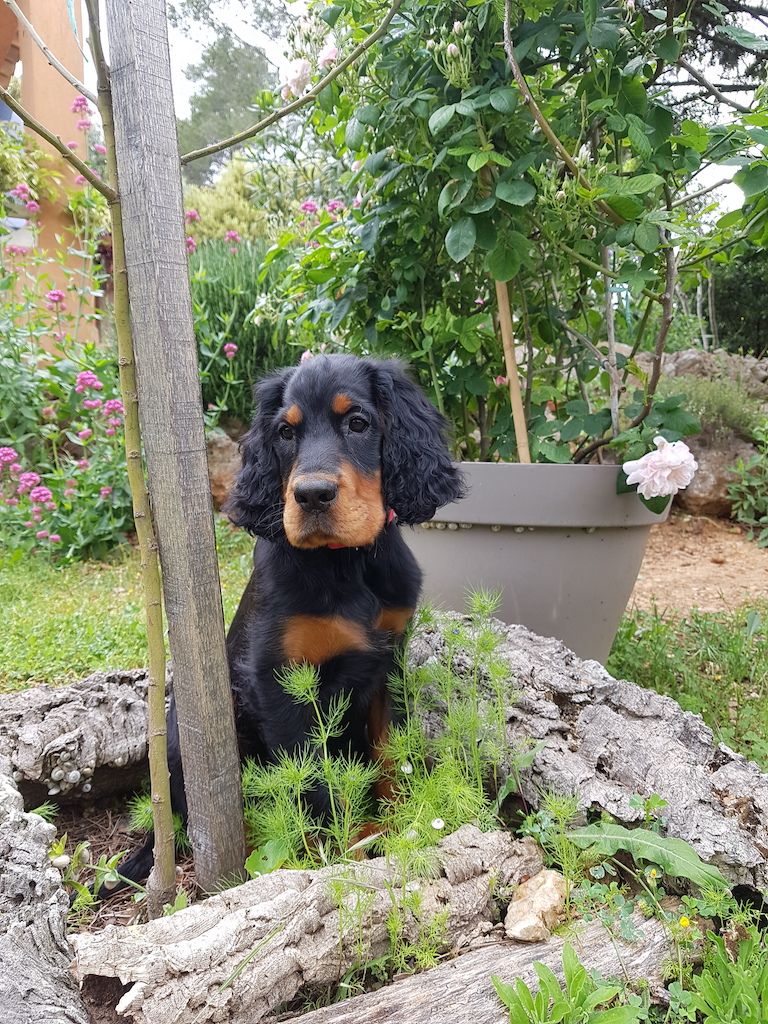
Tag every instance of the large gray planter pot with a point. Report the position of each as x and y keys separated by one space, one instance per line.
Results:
x=564 y=548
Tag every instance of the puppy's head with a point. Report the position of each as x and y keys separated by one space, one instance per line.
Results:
x=336 y=443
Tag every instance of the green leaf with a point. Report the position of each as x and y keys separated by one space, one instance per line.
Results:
x=675 y=857
x=636 y=133
x=504 y=99
x=668 y=47
x=452 y=194
x=516 y=192
x=478 y=160
x=744 y=38
x=637 y=185
x=460 y=240
x=590 y=16
x=505 y=260
x=752 y=181
x=441 y=117
x=655 y=505
x=354 y=134
x=369 y=115
x=647 y=237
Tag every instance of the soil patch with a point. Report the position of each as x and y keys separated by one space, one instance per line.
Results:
x=697 y=562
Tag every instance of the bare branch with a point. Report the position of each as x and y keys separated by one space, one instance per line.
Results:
x=52 y=59
x=711 y=89
x=701 y=192
x=541 y=120
x=57 y=142
x=302 y=101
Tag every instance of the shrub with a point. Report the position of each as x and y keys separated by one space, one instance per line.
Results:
x=723 y=405
x=225 y=206
x=238 y=337
x=742 y=318
x=748 y=493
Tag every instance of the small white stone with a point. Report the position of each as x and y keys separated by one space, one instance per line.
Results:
x=438 y=824
x=495 y=529
x=53 y=790
x=61 y=862
x=406 y=768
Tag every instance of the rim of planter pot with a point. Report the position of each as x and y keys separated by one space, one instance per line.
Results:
x=542 y=494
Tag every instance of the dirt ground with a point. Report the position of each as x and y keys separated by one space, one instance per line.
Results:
x=708 y=564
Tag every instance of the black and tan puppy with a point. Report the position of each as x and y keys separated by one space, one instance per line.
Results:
x=341 y=453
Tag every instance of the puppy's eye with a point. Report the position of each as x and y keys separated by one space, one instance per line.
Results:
x=286 y=432
x=357 y=424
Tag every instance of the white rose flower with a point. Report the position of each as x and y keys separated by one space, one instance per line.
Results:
x=297 y=78
x=663 y=472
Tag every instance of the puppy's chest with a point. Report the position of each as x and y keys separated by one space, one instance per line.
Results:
x=317 y=639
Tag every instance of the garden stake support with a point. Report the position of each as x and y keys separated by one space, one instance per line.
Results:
x=161 y=885
x=170 y=408
x=510 y=362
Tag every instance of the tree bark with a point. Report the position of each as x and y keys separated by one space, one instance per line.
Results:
x=35 y=983
x=170 y=407
x=242 y=954
x=461 y=989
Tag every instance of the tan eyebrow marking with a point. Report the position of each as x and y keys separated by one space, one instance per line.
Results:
x=293 y=416
x=341 y=403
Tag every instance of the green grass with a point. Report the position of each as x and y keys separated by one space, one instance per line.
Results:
x=60 y=624
x=713 y=664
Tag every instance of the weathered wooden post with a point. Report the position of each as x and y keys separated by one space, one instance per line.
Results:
x=172 y=427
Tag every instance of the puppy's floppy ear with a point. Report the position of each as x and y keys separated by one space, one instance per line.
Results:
x=255 y=500
x=418 y=476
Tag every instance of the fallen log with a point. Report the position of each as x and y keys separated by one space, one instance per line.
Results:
x=461 y=989
x=244 y=953
x=35 y=984
x=70 y=741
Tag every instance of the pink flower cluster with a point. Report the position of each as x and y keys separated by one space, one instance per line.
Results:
x=80 y=105
x=233 y=236
x=334 y=206
x=54 y=299
x=191 y=244
x=191 y=216
x=308 y=206
x=87 y=380
x=8 y=455
x=99 y=148
x=230 y=350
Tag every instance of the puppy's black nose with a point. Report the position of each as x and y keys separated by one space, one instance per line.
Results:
x=315 y=495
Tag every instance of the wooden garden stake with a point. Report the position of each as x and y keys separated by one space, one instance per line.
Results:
x=515 y=395
x=170 y=409
x=161 y=886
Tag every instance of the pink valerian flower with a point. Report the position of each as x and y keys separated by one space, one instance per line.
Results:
x=328 y=55
x=69 y=492
x=30 y=523
x=80 y=105
x=191 y=216
x=230 y=350
x=79 y=179
x=72 y=144
x=663 y=472
x=55 y=296
x=8 y=455
x=20 y=192
x=110 y=431
x=334 y=205
x=87 y=380
x=48 y=412
x=42 y=535
x=309 y=206
x=17 y=250
x=55 y=538
x=91 y=403
x=84 y=124
x=33 y=206
x=99 y=148
x=191 y=244
x=115 y=421
x=12 y=501
x=105 y=492
x=40 y=494
x=83 y=464
x=85 y=433
x=50 y=505
x=297 y=79
x=15 y=468
x=112 y=405
x=500 y=382
x=233 y=236
x=26 y=482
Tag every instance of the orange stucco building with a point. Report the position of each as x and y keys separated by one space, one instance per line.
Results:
x=47 y=96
